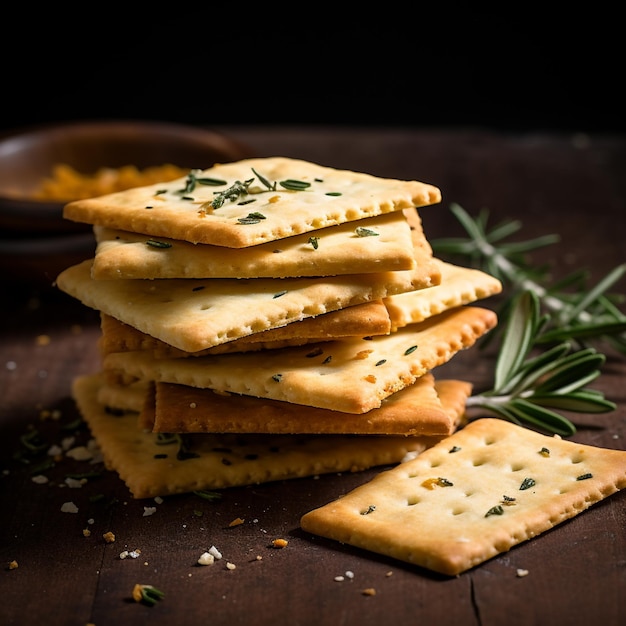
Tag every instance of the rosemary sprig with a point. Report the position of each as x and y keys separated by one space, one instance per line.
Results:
x=544 y=361
x=578 y=313
x=528 y=387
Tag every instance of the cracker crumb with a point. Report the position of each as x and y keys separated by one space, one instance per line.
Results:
x=13 y=565
x=279 y=543
x=206 y=559
x=149 y=510
x=109 y=537
x=69 y=507
x=215 y=552
x=236 y=522
x=86 y=532
x=370 y=591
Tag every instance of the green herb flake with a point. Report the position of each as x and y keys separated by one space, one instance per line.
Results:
x=365 y=232
x=294 y=185
x=244 y=202
x=370 y=509
x=277 y=377
x=495 y=510
x=314 y=241
x=381 y=362
x=527 y=483
x=264 y=181
x=252 y=218
x=279 y=294
x=333 y=193
x=153 y=243
x=544 y=452
x=410 y=350
x=213 y=182
x=584 y=476
x=147 y=594
x=454 y=449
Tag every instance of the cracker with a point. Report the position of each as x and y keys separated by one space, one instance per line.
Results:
x=377 y=244
x=121 y=397
x=347 y=375
x=476 y=494
x=175 y=209
x=416 y=410
x=150 y=469
x=458 y=286
x=360 y=320
x=195 y=314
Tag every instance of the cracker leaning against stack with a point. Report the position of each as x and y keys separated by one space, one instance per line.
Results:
x=272 y=319
x=292 y=303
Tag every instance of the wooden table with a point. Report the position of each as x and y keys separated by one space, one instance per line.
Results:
x=571 y=185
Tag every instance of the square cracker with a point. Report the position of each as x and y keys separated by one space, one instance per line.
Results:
x=149 y=468
x=458 y=286
x=182 y=209
x=195 y=314
x=347 y=375
x=415 y=410
x=360 y=320
x=476 y=494
x=376 y=244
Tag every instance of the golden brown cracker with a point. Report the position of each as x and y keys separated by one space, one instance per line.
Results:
x=348 y=375
x=459 y=285
x=190 y=210
x=154 y=466
x=415 y=410
x=360 y=320
x=195 y=314
x=376 y=244
x=474 y=495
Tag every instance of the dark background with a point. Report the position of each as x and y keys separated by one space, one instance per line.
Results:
x=301 y=64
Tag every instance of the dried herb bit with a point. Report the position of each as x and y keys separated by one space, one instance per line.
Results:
x=314 y=353
x=279 y=294
x=365 y=232
x=244 y=202
x=544 y=452
x=33 y=442
x=314 y=241
x=233 y=193
x=527 y=483
x=211 y=496
x=508 y=500
x=454 y=449
x=147 y=594
x=166 y=439
x=410 y=350
x=213 y=182
x=264 y=181
x=370 y=509
x=584 y=476
x=277 y=377
x=381 y=362
x=252 y=218
x=294 y=185
x=495 y=510
x=153 y=243
x=333 y=193
x=327 y=360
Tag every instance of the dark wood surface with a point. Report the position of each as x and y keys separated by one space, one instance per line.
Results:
x=571 y=185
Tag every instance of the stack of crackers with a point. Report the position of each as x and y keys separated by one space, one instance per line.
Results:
x=273 y=318
x=267 y=319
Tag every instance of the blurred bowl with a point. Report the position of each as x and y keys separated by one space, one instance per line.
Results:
x=28 y=157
